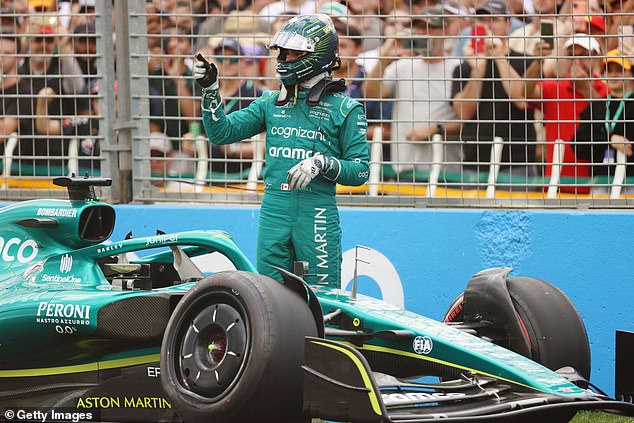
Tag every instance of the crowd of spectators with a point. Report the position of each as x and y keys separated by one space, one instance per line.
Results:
x=526 y=72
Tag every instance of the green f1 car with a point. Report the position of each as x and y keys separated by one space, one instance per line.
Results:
x=89 y=330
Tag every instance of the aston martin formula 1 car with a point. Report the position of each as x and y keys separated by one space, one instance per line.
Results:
x=133 y=330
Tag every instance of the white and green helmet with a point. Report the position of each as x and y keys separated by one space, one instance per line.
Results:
x=313 y=34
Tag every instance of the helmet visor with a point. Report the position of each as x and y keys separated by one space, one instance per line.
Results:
x=292 y=41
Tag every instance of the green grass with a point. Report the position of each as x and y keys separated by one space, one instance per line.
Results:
x=596 y=417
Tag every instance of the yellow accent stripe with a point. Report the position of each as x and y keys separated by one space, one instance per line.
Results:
x=90 y=367
x=435 y=360
x=364 y=375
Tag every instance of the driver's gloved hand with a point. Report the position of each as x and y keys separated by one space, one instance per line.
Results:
x=205 y=73
x=300 y=175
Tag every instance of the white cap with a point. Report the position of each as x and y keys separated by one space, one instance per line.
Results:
x=454 y=8
x=160 y=142
x=584 y=40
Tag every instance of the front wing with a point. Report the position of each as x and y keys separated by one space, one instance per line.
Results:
x=339 y=385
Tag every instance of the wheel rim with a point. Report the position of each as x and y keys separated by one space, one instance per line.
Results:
x=212 y=349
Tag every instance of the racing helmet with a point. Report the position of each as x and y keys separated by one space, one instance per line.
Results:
x=313 y=34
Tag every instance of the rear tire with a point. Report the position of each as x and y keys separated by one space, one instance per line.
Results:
x=233 y=350
x=550 y=321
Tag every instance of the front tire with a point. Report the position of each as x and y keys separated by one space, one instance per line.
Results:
x=552 y=325
x=233 y=350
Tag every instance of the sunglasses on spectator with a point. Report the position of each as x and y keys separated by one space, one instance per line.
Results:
x=230 y=60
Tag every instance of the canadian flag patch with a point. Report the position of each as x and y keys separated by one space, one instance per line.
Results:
x=285 y=187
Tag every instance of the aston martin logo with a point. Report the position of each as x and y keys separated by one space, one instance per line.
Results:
x=66 y=263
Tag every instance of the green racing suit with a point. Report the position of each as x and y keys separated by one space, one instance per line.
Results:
x=298 y=225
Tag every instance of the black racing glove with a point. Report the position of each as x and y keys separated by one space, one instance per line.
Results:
x=205 y=73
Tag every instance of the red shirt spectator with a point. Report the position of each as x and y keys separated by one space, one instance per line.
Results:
x=563 y=100
x=562 y=106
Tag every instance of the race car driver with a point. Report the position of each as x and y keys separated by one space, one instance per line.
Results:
x=315 y=138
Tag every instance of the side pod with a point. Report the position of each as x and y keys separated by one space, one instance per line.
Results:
x=338 y=384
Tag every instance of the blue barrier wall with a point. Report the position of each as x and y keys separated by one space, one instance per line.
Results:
x=585 y=254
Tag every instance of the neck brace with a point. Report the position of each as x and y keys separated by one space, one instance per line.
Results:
x=318 y=84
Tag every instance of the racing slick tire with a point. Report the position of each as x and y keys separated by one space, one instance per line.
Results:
x=233 y=350
x=552 y=325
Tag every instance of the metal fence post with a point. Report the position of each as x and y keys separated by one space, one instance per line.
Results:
x=107 y=98
x=133 y=98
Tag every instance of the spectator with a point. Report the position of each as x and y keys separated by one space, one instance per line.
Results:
x=182 y=17
x=86 y=127
x=456 y=21
x=563 y=100
x=500 y=12
x=161 y=151
x=420 y=87
x=82 y=13
x=608 y=126
x=256 y=62
x=525 y=38
x=43 y=5
x=397 y=23
x=44 y=67
x=271 y=11
x=577 y=17
x=365 y=14
x=619 y=16
x=164 y=6
x=172 y=82
x=85 y=49
x=42 y=63
x=238 y=23
x=61 y=131
x=10 y=21
x=14 y=92
x=350 y=41
x=156 y=25
x=481 y=93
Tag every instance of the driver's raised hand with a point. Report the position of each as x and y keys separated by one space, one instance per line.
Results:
x=205 y=73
